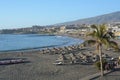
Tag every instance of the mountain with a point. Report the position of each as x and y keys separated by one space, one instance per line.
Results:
x=106 y=18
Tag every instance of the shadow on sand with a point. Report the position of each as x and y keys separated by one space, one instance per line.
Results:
x=109 y=76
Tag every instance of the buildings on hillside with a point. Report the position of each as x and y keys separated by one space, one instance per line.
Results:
x=83 y=29
x=63 y=29
x=115 y=28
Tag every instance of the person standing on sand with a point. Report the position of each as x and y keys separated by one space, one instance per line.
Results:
x=107 y=67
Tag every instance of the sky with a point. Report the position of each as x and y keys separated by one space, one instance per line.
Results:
x=25 y=13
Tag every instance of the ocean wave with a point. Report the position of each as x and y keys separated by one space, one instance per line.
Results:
x=39 y=35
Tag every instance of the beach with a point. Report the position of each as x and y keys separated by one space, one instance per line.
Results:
x=40 y=65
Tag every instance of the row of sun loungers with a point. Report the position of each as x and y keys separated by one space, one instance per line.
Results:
x=73 y=59
x=12 y=61
x=78 y=58
x=60 y=50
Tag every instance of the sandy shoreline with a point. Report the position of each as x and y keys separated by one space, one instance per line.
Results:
x=41 y=67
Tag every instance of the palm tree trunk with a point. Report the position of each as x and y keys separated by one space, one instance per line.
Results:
x=101 y=62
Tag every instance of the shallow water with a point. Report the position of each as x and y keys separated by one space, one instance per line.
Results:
x=30 y=41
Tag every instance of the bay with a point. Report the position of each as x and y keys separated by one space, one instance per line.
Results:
x=9 y=42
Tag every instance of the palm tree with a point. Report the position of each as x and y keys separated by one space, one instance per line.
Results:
x=101 y=37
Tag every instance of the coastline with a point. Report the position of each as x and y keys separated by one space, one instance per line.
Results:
x=41 y=67
x=44 y=47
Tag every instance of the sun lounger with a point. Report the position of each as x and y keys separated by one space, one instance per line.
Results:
x=12 y=61
x=58 y=63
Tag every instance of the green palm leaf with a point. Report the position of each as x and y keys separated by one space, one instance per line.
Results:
x=113 y=45
x=89 y=42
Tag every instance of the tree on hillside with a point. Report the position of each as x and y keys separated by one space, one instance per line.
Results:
x=101 y=37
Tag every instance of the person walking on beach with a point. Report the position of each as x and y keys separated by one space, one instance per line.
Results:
x=107 y=67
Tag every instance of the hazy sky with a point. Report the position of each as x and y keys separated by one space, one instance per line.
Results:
x=25 y=13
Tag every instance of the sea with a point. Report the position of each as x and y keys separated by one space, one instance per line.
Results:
x=16 y=42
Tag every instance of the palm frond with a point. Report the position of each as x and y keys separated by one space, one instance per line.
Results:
x=89 y=42
x=92 y=34
x=94 y=26
x=105 y=42
x=96 y=32
x=102 y=30
x=111 y=34
x=114 y=45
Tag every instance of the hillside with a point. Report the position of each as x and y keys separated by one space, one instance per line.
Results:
x=106 y=18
